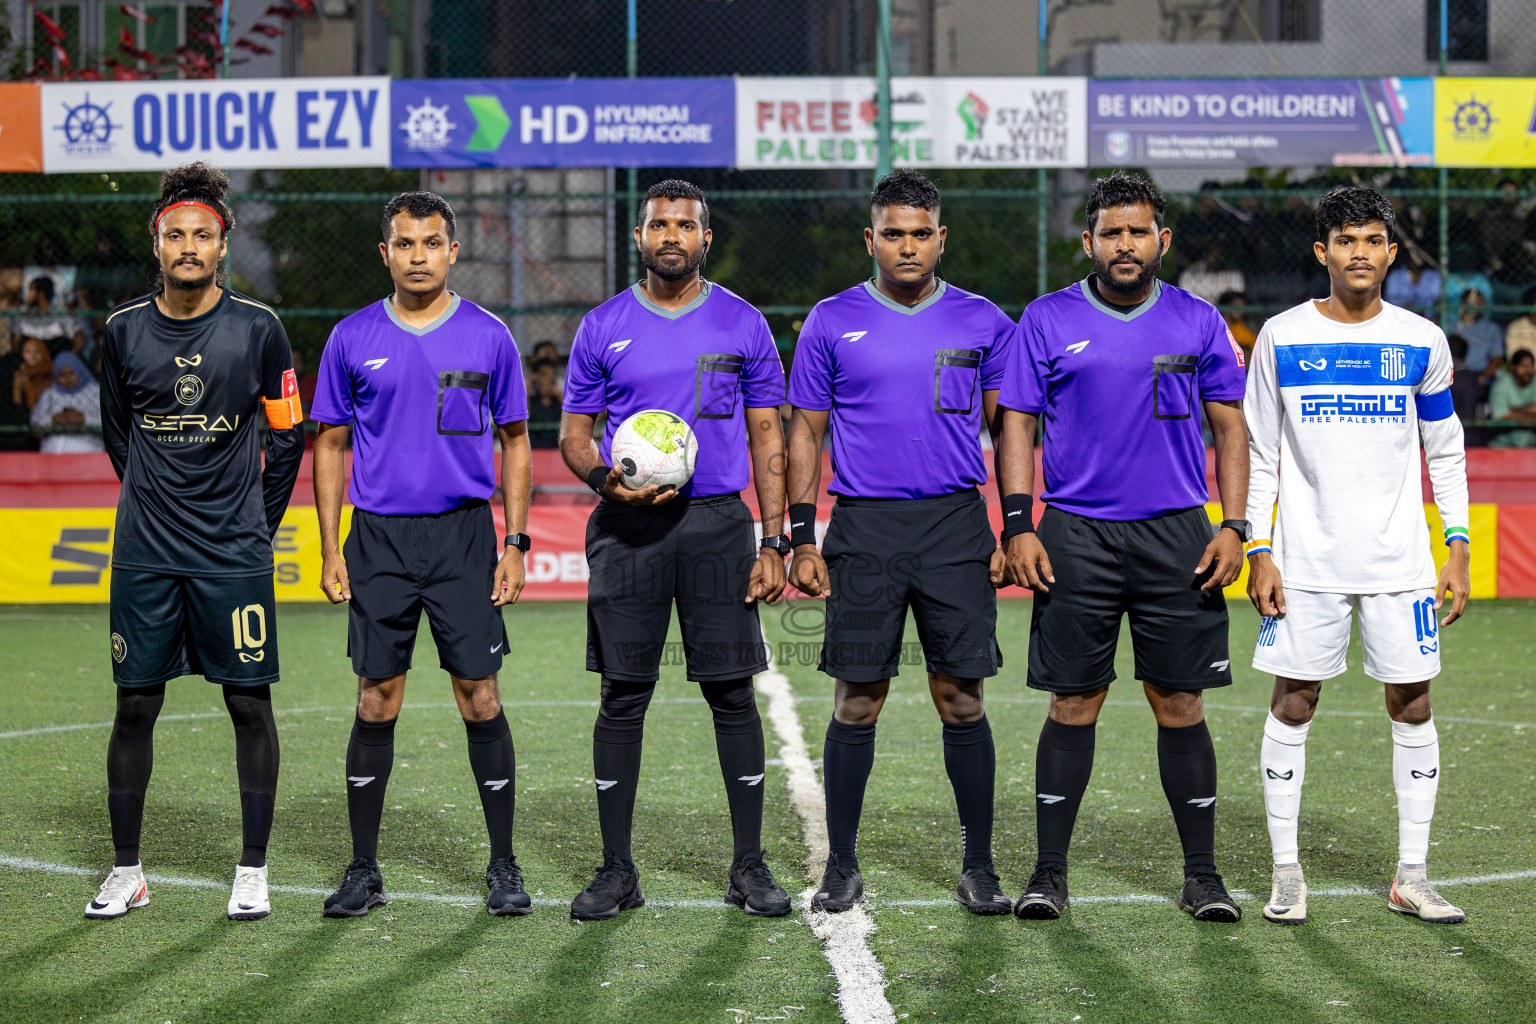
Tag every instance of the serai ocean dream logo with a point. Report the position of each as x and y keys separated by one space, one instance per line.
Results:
x=87 y=128
x=427 y=128
x=1473 y=120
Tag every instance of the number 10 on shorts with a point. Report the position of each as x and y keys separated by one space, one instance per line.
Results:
x=1424 y=623
x=249 y=625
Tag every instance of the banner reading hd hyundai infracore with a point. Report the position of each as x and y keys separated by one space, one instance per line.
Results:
x=558 y=122
x=231 y=123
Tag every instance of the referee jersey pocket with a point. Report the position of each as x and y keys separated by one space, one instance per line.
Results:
x=461 y=401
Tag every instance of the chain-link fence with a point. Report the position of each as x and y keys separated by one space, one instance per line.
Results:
x=541 y=247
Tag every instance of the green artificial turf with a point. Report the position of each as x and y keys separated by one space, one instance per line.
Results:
x=692 y=958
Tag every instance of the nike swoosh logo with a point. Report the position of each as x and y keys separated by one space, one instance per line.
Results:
x=360 y=780
x=496 y=648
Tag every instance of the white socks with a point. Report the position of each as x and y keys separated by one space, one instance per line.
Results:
x=1283 y=764
x=1416 y=777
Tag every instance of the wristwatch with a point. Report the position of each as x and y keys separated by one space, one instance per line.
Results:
x=521 y=541
x=1244 y=531
x=779 y=544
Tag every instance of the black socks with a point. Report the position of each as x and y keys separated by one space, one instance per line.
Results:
x=370 y=755
x=256 y=764
x=846 y=760
x=494 y=762
x=1063 y=763
x=971 y=763
x=739 y=741
x=1186 y=760
x=130 y=759
x=616 y=741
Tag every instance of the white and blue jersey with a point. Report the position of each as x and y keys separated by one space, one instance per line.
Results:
x=1335 y=415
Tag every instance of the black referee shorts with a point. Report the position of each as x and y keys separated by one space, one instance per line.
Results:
x=698 y=552
x=445 y=564
x=1143 y=568
x=929 y=554
x=224 y=629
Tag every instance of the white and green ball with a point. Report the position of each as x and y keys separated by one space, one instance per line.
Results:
x=655 y=447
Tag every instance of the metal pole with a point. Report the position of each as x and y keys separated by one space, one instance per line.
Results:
x=883 y=91
x=1444 y=180
x=224 y=37
x=1042 y=241
x=631 y=70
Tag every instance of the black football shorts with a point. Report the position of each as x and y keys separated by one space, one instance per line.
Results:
x=1144 y=569
x=696 y=552
x=444 y=564
x=224 y=629
x=933 y=555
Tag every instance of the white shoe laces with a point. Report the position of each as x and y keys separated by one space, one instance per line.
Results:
x=122 y=885
x=1424 y=893
x=1288 y=891
x=250 y=887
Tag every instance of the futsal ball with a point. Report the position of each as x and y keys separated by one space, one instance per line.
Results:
x=655 y=447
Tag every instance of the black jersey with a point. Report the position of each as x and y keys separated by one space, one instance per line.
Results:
x=179 y=401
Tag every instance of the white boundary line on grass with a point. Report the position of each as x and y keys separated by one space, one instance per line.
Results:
x=845 y=937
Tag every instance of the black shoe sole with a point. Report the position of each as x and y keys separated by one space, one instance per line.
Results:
x=377 y=899
x=1290 y=921
x=1036 y=909
x=736 y=896
x=630 y=902
x=512 y=910
x=985 y=909
x=254 y=916
x=1216 y=913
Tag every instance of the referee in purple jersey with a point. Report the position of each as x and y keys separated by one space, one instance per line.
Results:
x=425 y=381
x=1119 y=367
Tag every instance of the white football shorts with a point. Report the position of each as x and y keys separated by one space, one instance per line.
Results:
x=1400 y=634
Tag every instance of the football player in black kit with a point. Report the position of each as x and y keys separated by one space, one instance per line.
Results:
x=185 y=371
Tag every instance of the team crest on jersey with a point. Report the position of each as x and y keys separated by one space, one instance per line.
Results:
x=189 y=389
x=119 y=648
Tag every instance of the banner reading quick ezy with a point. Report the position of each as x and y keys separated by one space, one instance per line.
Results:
x=1261 y=122
x=252 y=122
x=557 y=122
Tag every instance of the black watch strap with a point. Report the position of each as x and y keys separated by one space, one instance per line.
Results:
x=1240 y=526
x=776 y=543
x=521 y=541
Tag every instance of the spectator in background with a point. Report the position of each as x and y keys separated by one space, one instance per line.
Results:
x=1503 y=228
x=40 y=320
x=544 y=399
x=10 y=288
x=1522 y=333
x=51 y=262
x=33 y=376
x=1466 y=392
x=548 y=350
x=72 y=403
x=1485 y=339
x=13 y=414
x=1234 y=310
x=1416 y=286
x=1513 y=397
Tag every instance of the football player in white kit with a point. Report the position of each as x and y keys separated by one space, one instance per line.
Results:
x=1340 y=393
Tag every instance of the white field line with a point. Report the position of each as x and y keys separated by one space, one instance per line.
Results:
x=181 y=881
x=845 y=937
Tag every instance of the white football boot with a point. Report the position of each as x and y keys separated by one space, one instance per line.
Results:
x=122 y=890
x=248 y=899
x=1412 y=894
x=1288 y=897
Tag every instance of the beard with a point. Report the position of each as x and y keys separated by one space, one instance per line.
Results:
x=183 y=284
x=651 y=260
x=1101 y=270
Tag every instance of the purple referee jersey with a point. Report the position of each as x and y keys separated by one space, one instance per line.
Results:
x=423 y=404
x=903 y=384
x=1120 y=395
x=705 y=363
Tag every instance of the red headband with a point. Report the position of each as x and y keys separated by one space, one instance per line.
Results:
x=189 y=202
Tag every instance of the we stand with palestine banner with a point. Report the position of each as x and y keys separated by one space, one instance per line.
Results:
x=768 y=123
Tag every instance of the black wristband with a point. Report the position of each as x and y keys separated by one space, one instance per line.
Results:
x=598 y=477
x=802 y=524
x=1018 y=515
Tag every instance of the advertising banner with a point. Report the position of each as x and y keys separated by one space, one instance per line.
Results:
x=235 y=123
x=21 y=136
x=1271 y=122
x=1485 y=122
x=788 y=123
x=558 y=122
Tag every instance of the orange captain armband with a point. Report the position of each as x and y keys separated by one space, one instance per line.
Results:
x=286 y=412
